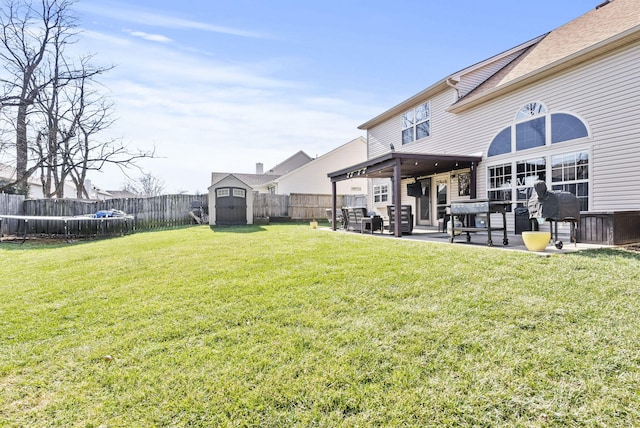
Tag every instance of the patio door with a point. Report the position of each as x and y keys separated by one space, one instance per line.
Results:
x=441 y=196
x=424 y=204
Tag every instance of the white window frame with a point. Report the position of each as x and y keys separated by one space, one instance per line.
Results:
x=415 y=117
x=526 y=186
x=502 y=182
x=380 y=193
x=564 y=182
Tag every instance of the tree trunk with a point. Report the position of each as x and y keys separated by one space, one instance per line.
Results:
x=22 y=150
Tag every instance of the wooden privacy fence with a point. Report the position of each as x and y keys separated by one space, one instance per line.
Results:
x=11 y=204
x=311 y=207
x=158 y=212
x=301 y=206
x=266 y=205
x=164 y=211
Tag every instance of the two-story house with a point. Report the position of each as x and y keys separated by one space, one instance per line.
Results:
x=562 y=108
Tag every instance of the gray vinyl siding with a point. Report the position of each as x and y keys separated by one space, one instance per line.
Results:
x=472 y=80
x=603 y=92
x=381 y=137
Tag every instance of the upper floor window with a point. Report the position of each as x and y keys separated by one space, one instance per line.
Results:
x=530 y=130
x=527 y=111
x=416 y=123
x=565 y=127
x=501 y=143
x=531 y=133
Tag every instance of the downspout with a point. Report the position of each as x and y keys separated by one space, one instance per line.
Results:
x=452 y=82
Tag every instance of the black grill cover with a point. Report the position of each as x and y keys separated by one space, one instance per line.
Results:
x=553 y=205
x=414 y=189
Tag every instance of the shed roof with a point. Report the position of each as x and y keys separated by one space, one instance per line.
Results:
x=252 y=180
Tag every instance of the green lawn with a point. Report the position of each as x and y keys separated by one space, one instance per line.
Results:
x=284 y=325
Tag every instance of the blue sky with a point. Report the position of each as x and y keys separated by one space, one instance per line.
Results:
x=221 y=85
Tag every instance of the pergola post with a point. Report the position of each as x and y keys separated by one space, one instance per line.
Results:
x=334 y=203
x=397 y=201
x=473 y=192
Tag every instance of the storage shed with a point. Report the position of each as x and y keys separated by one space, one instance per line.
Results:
x=230 y=202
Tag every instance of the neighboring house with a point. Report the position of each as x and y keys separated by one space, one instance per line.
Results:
x=291 y=163
x=8 y=175
x=312 y=177
x=261 y=182
x=120 y=194
x=231 y=194
x=562 y=108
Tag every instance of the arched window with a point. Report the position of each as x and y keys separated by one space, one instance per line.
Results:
x=534 y=128
x=501 y=144
x=565 y=127
x=531 y=133
x=529 y=110
x=531 y=123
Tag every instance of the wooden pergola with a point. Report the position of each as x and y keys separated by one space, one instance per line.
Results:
x=399 y=166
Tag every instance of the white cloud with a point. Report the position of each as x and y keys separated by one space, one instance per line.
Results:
x=205 y=113
x=150 y=37
x=125 y=13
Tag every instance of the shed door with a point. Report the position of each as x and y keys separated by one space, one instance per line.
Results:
x=231 y=206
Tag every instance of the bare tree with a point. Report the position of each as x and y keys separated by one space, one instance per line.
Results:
x=59 y=97
x=75 y=114
x=27 y=32
x=146 y=186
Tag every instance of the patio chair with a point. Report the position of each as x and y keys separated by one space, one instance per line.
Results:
x=354 y=218
x=406 y=219
x=339 y=218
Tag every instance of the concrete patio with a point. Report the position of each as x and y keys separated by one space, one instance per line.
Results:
x=479 y=239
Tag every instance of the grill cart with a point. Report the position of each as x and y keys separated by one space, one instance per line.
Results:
x=469 y=211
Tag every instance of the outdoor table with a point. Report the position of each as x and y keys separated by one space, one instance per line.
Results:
x=372 y=224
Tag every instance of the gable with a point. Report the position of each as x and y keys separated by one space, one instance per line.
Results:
x=229 y=180
x=290 y=164
x=599 y=31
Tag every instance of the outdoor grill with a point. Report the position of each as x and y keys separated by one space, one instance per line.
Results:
x=553 y=206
